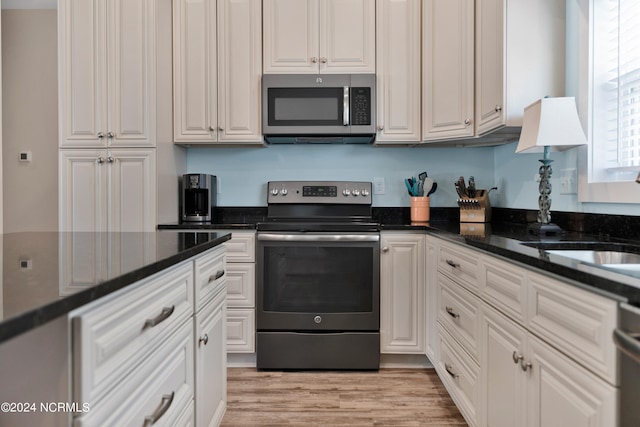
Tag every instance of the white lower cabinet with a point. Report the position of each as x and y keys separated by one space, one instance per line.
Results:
x=151 y=353
x=519 y=348
x=526 y=382
x=211 y=362
x=402 y=279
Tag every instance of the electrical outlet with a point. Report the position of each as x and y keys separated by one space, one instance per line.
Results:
x=378 y=185
x=569 y=181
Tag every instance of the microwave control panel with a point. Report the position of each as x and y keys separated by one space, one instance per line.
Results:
x=360 y=106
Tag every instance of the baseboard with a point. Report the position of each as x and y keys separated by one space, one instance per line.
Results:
x=388 y=361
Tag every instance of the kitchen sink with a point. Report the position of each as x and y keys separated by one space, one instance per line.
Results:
x=620 y=256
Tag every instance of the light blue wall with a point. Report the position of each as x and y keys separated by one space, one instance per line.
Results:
x=244 y=172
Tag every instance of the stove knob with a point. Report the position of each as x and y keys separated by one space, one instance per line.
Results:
x=284 y=191
x=365 y=192
x=346 y=192
x=355 y=192
x=274 y=192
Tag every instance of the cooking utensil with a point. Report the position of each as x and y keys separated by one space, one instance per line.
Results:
x=433 y=189
x=426 y=186
x=408 y=183
x=471 y=189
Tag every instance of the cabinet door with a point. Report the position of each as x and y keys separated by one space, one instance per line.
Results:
x=83 y=89
x=132 y=190
x=448 y=72
x=347 y=36
x=83 y=190
x=398 y=70
x=239 y=70
x=195 y=66
x=490 y=76
x=291 y=36
x=562 y=393
x=503 y=382
x=402 y=276
x=211 y=362
x=131 y=64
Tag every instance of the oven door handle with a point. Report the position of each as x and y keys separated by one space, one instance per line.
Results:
x=309 y=237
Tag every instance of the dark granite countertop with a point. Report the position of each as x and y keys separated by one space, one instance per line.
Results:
x=48 y=274
x=503 y=237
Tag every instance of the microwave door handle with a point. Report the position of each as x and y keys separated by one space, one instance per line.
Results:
x=345 y=107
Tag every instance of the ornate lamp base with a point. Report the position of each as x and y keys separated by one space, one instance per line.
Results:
x=544 y=230
x=544 y=227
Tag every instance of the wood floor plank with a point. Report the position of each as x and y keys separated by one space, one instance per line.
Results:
x=389 y=397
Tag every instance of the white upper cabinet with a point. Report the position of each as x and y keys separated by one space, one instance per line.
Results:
x=217 y=70
x=519 y=58
x=447 y=72
x=107 y=73
x=398 y=71
x=319 y=36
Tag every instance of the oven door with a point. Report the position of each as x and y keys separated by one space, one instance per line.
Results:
x=318 y=282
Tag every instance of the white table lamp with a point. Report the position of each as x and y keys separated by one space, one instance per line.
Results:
x=550 y=124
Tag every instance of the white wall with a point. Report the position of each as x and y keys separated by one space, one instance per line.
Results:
x=30 y=119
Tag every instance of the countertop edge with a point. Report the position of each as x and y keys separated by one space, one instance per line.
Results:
x=36 y=317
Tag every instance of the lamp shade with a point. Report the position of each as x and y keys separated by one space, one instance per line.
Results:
x=551 y=122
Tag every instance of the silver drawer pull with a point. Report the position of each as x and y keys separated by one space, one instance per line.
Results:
x=204 y=340
x=166 y=402
x=453 y=264
x=215 y=277
x=166 y=312
x=516 y=357
x=525 y=365
x=450 y=371
x=451 y=312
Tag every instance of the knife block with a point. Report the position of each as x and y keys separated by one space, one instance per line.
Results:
x=475 y=209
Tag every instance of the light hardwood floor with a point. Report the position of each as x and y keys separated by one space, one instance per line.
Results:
x=389 y=397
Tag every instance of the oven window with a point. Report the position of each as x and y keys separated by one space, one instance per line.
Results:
x=318 y=279
x=305 y=106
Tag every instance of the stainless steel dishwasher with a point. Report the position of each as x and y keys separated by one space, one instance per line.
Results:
x=627 y=339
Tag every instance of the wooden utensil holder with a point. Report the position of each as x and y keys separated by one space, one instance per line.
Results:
x=475 y=209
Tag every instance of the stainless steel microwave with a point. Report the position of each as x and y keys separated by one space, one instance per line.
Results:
x=321 y=108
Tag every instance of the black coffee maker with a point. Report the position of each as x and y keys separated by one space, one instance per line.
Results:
x=197 y=197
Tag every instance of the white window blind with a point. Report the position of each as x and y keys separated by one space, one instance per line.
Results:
x=615 y=145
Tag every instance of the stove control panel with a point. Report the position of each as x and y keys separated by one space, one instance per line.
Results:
x=320 y=192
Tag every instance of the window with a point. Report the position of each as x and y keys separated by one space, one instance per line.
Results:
x=615 y=116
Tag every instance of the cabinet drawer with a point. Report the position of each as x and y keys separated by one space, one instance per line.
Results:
x=577 y=322
x=112 y=338
x=460 y=376
x=460 y=264
x=241 y=247
x=210 y=275
x=241 y=330
x=241 y=280
x=458 y=314
x=165 y=380
x=503 y=286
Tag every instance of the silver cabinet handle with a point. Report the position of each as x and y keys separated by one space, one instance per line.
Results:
x=215 y=277
x=385 y=249
x=220 y=129
x=110 y=135
x=165 y=403
x=380 y=128
x=345 y=106
x=628 y=343
x=166 y=312
x=212 y=129
x=203 y=340
x=110 y=159
x=453 y=264
x=100 y=160
x=467 y=122
x=314 y=60
x=450 y=370
x=525 y=365
x=516 y=357
x=323 y=60
x=498 y=108
x=100 y=135
x=451 y=312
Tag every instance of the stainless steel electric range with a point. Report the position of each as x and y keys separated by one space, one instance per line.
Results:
x=318 y=278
